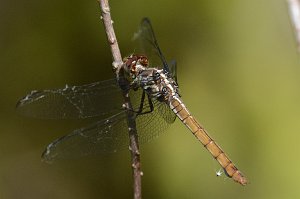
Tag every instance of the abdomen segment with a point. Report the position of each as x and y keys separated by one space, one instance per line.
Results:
x=183 y=114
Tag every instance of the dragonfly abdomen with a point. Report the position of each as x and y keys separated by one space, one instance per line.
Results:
x=199 y=132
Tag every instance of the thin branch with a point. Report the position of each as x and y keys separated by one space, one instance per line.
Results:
x=294 y=10
x=117 y=66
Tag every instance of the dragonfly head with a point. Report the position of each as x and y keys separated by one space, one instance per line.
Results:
x=134 y=64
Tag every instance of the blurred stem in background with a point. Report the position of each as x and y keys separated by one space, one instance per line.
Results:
x=294 y=11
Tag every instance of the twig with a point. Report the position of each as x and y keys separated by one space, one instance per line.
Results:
x=294 y=10
x=117 y=66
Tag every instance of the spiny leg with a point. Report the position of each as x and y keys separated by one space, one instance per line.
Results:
x=140 y=111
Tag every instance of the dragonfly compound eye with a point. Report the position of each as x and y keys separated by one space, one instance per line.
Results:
x=144 y=61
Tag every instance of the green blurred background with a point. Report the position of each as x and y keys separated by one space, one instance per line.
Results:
x=238 y=74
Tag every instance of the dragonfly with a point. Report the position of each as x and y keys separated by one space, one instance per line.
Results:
x=156 y=103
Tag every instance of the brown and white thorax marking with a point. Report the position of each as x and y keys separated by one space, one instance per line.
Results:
x=157 y=83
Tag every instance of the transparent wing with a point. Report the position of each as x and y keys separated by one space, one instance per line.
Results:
x=104 y=136
x=149 y=45
x=95 y=99
x=151 y=125
x=111 y=134
x=173 y=69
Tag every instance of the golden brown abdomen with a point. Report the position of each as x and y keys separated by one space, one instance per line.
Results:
x=183 y=114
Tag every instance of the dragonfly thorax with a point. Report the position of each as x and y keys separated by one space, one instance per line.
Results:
x=157 y=84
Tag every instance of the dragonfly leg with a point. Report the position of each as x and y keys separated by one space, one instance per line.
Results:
x=140 y=111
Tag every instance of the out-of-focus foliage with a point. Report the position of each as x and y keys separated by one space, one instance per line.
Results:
x=238 y=74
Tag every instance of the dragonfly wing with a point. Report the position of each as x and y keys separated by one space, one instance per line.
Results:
x=105 y=136
x=166 y=113
x=149 y=45
x=96 y=99
x=111 y=134
x=151 y=125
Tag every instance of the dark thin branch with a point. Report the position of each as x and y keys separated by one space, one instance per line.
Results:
x=117 y=66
